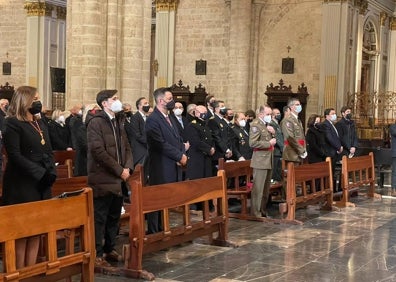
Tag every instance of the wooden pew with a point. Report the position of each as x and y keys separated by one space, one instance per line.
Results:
x=241 y=169
x=38 y=218
x=308 y=178
x=64 y=163
x=164 y=198
x=356 y=172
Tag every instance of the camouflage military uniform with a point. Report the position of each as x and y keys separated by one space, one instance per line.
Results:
x=293 y=134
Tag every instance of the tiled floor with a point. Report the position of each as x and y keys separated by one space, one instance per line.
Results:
x=350 y=244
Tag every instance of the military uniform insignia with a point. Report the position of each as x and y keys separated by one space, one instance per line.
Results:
x=240 y=134
x=194 y=121
x=221 y=125
x=254 y=129
x=288 y=124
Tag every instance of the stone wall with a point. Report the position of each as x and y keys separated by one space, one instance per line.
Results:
x=208 y=30
x=296 y=25
x=13 y=41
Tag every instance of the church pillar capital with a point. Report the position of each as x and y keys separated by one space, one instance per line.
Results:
x=392 y=23
x=38 y=9
x=166 y=5
x=383 y=17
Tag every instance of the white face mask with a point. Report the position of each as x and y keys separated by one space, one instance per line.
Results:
x=61 y=119
x=242 y=123
x=116 y=106
x=178 y=112
x=267 y=119
x=333 y=117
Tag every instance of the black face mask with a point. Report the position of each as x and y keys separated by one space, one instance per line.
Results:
x=6 y=107
x=223 y=111
x=146 y=108
x=249 y=120
x=170 y=105
x=348 y=116
x=128 y=114
x=203 y=116
x=36 y=108
x=278 y=117
x=229 y=118
x=212 y=104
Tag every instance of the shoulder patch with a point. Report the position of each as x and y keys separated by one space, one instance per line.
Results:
x=194 y=121
x=288 y=124
x=254 y=129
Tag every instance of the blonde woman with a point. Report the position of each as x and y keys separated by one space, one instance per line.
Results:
x=30 y=170
x=59 y=132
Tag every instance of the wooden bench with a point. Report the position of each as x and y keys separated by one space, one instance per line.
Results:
x=355 y=173
x=46 y=218
x=151 y=198
x=308 y=184
x=64 y=163
x=240 y=174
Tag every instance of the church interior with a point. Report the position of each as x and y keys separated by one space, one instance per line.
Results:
x=326 y=53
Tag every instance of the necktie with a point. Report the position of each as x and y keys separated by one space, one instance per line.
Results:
x=168 y=120
x=181 y=122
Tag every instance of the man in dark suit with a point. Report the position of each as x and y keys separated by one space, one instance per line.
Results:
x=136 y=132
x=177 y=115
x=278 y=148
x=347 y=131
x=333 y=144
x=209 y=101
x=166 y=149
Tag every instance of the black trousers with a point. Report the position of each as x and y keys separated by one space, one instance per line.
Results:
x=107 y=213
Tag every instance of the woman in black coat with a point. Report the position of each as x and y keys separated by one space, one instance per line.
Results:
x=315 y=139
x=59 y=132
x=30 y=170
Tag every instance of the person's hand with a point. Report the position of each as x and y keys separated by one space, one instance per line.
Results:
x=273 y=141
x=69 y=149
x=340 y=150
x=46 y=181
x=212 y=151
x=270 y=129
x=187 y=146
x=125 y=174
x=183 y=160
x=352 y=150
x=241 y=159
x=228 y=154
x=304 y=155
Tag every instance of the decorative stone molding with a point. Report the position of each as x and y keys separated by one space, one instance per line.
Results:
x=61 y=13
x=166 y=5
x=392 y=23
x=38 y=9
x=362 y=5
x=383 y=17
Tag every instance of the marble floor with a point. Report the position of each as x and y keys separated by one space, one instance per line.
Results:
x=349 y=244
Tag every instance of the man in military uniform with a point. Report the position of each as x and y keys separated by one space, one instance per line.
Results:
x=293 y=134
x=241 y=139
x=262 y=141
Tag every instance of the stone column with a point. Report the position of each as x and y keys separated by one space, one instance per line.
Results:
x=239 y=55
x=165 y=41
x=108 y=47
x=336 y=63
x=392 y=56
x=45 y=46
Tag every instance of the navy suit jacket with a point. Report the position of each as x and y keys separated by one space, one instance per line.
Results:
x=165 y=147
x=333 y=143
x=138 y=138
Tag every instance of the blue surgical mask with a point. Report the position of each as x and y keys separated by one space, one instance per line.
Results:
x=333 y=117
x=267 y=119
x=298 y=109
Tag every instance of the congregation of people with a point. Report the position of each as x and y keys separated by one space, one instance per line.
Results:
x=171 y=140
